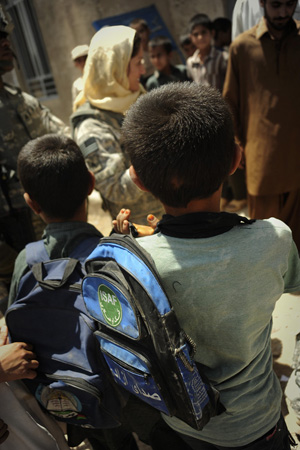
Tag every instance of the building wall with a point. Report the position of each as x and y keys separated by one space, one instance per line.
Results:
x=67 y=23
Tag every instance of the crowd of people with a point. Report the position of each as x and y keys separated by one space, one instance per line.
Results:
x=190 y=144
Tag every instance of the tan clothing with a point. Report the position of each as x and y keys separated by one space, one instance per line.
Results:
x=285 y=207
x=263 y=88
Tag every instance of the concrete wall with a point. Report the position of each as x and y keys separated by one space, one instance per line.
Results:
x=67 y=23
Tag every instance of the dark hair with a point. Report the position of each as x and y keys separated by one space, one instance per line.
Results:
x=186 y=150
x=221 y=24
x=199 y=19
x=81 y=58
x=53 y=172
x=185 y=39
x=136 y=45
x=161 y=41
x=139 y=21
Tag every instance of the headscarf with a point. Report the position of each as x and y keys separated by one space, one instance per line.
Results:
x=105 y=80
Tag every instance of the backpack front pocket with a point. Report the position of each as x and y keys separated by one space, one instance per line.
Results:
x=133 y=371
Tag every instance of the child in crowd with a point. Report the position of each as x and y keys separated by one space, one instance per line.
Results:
x=49 y=169
x=143 y=30
x=187 y=46
x=79 y=57
x=57 y=183
x=207 y=65
x=160 y=50
x=222 y=32
x=222 y=272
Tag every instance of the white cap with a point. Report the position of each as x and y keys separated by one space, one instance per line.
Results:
x=80 y=50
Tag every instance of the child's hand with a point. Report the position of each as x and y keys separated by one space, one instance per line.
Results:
x=4 y=335
x=152 y=221
x=17 y=361
x=121 y=223
x=144 y=230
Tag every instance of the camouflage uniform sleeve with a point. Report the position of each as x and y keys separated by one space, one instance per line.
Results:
x=52 y=123
x=49 y=123
x=100 y=144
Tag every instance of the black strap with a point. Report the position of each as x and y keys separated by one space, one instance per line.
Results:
x=38 y=271
x=200 y=224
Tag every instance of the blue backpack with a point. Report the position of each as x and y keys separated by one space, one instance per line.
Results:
x=147 y=352
x=72 y=383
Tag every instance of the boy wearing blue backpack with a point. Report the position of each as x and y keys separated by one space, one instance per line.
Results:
x=222 y=273
x=57 y=183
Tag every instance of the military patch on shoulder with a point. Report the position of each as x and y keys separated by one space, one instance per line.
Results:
x=88 y=146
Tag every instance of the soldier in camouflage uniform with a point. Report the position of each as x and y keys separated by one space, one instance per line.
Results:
x=22 y=118
x=111 y=84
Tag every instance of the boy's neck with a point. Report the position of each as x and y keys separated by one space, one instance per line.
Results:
x=79 y=216
x=218 y=44
x=204 y=52
x=211 y=204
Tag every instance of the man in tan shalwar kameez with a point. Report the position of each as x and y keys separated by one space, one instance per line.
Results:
x=262 y=87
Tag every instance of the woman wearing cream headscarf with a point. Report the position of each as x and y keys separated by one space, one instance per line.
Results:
x=111 y=85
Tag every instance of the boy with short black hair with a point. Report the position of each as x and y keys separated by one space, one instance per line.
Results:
x=142 y=28
x=57 y=183
x=207 y=65
x=160 y=50
x=223 y=273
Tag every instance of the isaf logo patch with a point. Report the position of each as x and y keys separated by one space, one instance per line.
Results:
x=110 y=306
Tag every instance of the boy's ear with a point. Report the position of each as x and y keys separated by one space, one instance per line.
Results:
x=135 y=178
x=236 y=159
x=32 y=204
x=92 y=182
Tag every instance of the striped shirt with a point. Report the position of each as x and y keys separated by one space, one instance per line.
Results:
x=211 y=71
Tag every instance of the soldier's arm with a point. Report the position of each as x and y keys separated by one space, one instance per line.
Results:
x=52 y=123
x=42 y=119
x=104 y=157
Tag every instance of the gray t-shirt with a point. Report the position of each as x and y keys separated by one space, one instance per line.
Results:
x=223 y=290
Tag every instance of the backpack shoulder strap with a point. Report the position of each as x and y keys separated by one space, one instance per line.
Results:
x=83 y=112
x=84 y=248
x=36 y=252
x=135 y=260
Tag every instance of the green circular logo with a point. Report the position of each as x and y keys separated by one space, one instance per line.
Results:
x=110 y=306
